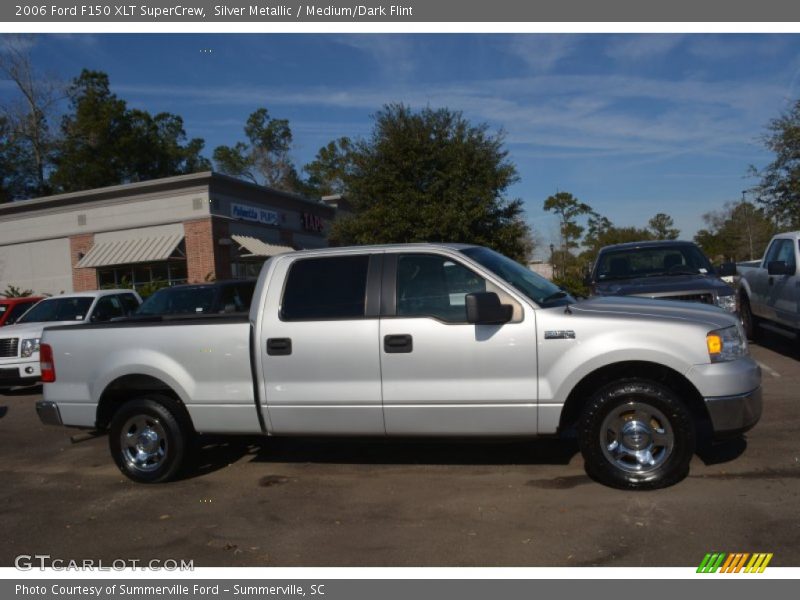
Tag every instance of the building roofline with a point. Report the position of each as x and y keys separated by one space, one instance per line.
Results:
x=162 y=184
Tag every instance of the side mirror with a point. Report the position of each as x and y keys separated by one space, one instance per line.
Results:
x=229 y=308
x=484 y=308
x=779 y=267
x=727 y=269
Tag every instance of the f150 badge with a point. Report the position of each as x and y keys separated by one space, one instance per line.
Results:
x=566 y=334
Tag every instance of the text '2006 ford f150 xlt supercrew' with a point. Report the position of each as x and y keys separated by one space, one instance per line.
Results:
x=412 y=340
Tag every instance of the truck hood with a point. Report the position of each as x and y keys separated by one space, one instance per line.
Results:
x=31 y=330
x=641 y=286
x=647 y=308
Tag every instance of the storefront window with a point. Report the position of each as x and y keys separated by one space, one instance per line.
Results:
x=144 y=274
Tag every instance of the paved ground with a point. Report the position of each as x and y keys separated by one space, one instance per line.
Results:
x=362 y=503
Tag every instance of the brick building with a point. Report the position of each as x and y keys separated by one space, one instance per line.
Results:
x=189 y=228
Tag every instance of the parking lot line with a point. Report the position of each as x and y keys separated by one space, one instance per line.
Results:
x=769 y=370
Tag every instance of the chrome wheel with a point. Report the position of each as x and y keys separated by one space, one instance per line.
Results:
x=636 y=437
x=144 y=443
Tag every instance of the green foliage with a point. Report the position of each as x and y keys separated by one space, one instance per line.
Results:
x=265 y=159
x=740 y=231
x=573 y=283
x=779 y=188
x=105 y=143
x=146 y=290
x=568 y=208
x=13 y=291
x=663 y=227
x=427 y=176
x=327 y=173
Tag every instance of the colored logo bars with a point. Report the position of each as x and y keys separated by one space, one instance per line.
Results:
x=735 y=562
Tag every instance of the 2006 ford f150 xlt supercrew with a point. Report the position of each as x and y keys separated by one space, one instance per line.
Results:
x=412 y=340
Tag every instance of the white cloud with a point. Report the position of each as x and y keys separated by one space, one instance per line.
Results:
x=642 y=47
x=542 y=52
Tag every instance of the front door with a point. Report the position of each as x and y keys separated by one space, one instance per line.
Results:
x=320 y=350
x=442 y=375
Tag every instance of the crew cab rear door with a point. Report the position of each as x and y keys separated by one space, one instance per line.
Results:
x=318 y=344
x=441 y=374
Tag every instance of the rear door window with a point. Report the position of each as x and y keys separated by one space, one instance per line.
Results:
x=325 y=288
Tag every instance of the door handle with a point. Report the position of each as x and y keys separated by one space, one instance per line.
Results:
x=396 y=344
x=279 y=346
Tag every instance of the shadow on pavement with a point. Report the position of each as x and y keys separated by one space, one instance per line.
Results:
x=32 y=390
x=778 y=343
x=715 y=453
x=3 y=411
x=214 y=452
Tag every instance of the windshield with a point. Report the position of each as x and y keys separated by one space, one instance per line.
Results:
x=534 y=286
x=179 y=301
x=652 y=261
x=58 y=309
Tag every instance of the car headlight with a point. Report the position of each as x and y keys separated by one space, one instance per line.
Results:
x=726 y=344
x=727 y=302
x=29 y=347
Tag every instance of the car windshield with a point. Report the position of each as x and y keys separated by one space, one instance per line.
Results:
x=652 y=261
x=534 y=286
x=189 y=300
x=58 y=309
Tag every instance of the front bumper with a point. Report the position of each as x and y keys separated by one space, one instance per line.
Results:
x=48 y=412
x=735 y=414
x=13 y=374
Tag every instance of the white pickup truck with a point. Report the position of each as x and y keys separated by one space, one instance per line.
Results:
x=419 y=339
x=769 y=289
x=19 y=343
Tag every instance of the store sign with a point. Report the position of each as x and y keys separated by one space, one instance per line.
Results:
x=312 y=222
x=257 y=215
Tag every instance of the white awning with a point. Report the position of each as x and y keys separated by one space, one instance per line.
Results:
x=256 y=247
x=129 y=251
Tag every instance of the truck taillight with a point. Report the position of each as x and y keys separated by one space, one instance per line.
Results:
x=46 y=364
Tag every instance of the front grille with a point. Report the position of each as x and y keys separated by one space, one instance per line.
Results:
x=8 y=347
x=702 y=298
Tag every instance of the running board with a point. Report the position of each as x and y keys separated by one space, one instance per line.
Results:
x=787 y=333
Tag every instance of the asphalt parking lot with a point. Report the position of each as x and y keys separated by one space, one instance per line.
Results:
x=292 y=502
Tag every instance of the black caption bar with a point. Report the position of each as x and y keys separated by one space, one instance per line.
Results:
x=778 y=11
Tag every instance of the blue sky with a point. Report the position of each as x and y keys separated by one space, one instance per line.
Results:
x=631 y=124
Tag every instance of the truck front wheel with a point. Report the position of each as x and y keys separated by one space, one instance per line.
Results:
x=636 y=434
x=147 y=441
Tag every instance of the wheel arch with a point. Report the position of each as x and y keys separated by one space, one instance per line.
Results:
x=135 y=385
x=662 y=374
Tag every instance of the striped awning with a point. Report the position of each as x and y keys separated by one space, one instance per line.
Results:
x=129 y=251
x=256 y=247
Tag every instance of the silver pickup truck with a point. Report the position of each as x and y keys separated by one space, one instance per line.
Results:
x=412 y=340
x=769 y=289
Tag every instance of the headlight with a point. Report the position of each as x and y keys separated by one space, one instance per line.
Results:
x=29 y=347
x=726 y=344
x=727 y=302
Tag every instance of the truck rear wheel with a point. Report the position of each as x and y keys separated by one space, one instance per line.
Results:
x=636 y=434
x=147 y=440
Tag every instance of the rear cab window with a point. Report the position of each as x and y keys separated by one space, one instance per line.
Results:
x=325 y=288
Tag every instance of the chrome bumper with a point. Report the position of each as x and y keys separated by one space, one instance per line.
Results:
x=734 y=414
x=48 y=412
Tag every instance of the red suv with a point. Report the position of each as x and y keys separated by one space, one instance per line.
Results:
x=12 y=309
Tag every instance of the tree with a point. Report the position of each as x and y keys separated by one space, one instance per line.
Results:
x=13 y=291
x=779 y=188
x=740 y=231
x=265 y=159
x=27 y=119
x=327 y=173
x=569 y=208
x=663 y=227
x=430 y=176
x=105 y=143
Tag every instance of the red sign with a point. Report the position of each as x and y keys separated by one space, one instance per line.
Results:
x=312 y=222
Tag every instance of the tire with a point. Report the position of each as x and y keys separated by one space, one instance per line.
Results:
x=148 y=439
x=636 y=434
x=749 y=320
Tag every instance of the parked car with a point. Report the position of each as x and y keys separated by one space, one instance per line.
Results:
x=19 y=343
x=12 y=309
x=416 y=339
x=769 y=289
x=664 y=269
x=219 y=297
